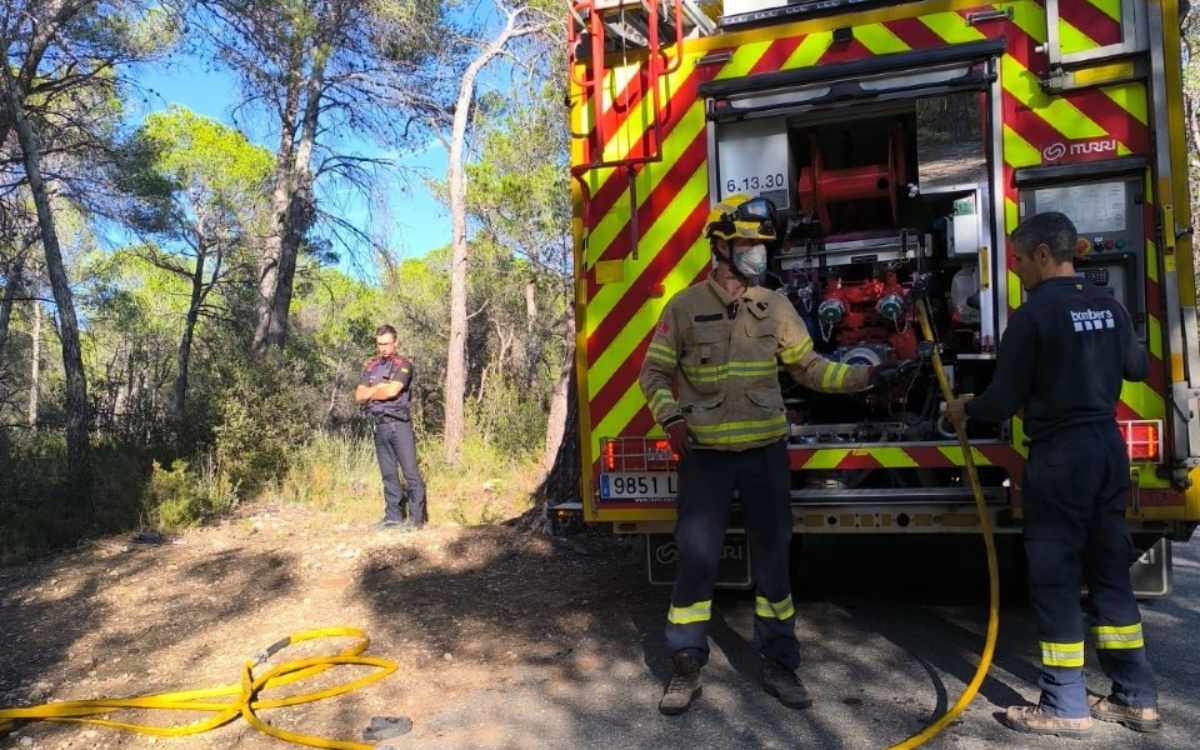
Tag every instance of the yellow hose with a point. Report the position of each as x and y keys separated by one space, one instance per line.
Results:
x=993 y=626
x=246 y=691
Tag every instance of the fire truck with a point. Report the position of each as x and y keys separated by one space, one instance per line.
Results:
x=901 y=143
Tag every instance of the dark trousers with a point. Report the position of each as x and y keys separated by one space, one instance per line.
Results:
x=1075 y=489
x=707 y=480
x=395 y=445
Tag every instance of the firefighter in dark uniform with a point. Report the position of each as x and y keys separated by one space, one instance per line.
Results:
x=711 y=379
x=1062 y=358
x=384 y=393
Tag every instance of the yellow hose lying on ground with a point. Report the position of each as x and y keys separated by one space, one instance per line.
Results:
x=993 y=626
x=246 y=692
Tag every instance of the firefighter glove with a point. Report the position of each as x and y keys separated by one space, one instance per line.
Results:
x=890 y=372
x=677 y=433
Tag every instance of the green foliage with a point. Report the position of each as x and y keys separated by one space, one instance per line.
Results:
x=194 y=178
x=333 y=330
x=37 y=513
x=1191 y=110
x=510 y=419
x=498 y=486
x=409 y=29
x=191 y=190
x=519 y=186
x=134 y=310
x=177 y=498
x=335 y=471
x=261 y=421
x=125 y=30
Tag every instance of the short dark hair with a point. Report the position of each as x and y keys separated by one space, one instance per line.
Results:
x=385 y=328
x=1051 y=228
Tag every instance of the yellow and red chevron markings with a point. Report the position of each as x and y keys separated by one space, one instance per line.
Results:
x=947 y=456
x=617 y=313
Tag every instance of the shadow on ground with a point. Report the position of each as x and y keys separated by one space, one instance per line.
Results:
x=516 y=641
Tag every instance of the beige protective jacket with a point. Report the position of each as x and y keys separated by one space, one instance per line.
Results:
x=713 y=362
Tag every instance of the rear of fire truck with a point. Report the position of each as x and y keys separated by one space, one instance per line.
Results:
x=901 y=144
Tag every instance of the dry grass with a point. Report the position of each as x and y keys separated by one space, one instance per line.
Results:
x=338 y=474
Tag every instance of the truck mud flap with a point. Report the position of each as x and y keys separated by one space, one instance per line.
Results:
x=733 y=571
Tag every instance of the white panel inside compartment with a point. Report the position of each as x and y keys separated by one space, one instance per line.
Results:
x=754 y=158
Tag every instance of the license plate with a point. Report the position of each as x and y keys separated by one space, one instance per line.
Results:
x=640 y=485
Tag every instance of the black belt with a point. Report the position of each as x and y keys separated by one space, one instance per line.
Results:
x=378 y=419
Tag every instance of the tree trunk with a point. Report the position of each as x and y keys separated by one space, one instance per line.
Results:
x=77 y=418
x=333 y=392
x=533 y=341
x=35 y=365
x=296 y=216
x=456 y=359
x=556 y=420
x=268 y=267
x=302 y=204
x=281 y=191
x=531 y=305
x=456 y=356
x=14 y=285
x=562 y=430
x=184 y=355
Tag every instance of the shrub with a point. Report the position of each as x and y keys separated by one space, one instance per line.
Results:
x=177 y=498
x=38 y=509
x=261 y=424
x=509 y=419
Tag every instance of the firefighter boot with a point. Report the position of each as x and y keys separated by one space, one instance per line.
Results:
x=1038 y=720
x=783 y=683
x=684 y=686
x=1138 y=718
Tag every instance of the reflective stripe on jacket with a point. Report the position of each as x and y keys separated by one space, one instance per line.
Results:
x=713 y=362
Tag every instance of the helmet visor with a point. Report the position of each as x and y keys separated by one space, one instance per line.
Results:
x=755 y=209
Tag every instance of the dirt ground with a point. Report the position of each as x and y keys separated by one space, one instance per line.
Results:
x=460 y=609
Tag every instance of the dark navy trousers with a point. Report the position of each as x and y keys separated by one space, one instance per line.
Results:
x=707 y=480
x=1075 y=489
x=396 y=446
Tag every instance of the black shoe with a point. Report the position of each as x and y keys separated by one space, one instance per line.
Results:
x=390 y=524
x=783 y=683
x=684 y=686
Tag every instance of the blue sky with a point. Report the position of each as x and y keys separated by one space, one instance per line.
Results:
x=415 y=221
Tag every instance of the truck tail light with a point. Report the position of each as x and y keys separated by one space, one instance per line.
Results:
x=1143 y=439
x=661 y=451
x=637 y=454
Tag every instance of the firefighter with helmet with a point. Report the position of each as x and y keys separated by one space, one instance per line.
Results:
x=710 y=377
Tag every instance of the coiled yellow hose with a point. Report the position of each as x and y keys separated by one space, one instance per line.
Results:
x=245 y=691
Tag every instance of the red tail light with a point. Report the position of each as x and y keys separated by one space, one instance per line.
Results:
x=661 y=451
x=1143 y=439
x=637 y=454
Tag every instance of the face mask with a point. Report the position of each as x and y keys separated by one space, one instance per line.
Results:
x=752 y=262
